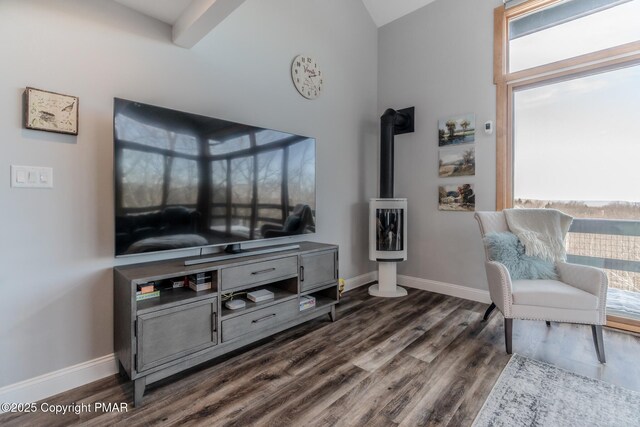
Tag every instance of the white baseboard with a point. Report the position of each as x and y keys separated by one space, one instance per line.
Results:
x=361 y=280
x=52 y=383
x=450 y=289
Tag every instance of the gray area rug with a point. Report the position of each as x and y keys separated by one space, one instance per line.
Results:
x=533 y=393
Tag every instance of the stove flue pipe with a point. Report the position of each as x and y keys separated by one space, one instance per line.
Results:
x=392 y=123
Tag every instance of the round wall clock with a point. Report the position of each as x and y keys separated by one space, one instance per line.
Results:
x=307 y=76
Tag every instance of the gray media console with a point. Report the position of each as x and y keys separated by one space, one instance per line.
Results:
x=161 y=336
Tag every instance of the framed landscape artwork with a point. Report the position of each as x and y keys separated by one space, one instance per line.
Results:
x=456 y=197
x=457 y=161
x=457 y=130
x=50 y=111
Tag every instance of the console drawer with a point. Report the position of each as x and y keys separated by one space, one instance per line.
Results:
x=259 y=320
x=258 y=272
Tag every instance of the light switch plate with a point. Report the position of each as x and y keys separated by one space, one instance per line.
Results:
x=31 y=176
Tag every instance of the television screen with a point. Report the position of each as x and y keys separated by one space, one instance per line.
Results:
x=184 y=180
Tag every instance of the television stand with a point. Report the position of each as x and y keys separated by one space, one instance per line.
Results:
x=158 y=337
x=244 y=253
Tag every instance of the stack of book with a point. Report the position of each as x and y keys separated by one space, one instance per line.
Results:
x=146 y=291
x=200 y=282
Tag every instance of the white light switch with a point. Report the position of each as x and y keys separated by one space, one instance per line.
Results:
x=21 y=176
x=31 y=176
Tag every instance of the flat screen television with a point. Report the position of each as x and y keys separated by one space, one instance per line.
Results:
x=184 y=180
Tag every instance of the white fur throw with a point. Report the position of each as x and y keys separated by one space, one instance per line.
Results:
x=541 y=231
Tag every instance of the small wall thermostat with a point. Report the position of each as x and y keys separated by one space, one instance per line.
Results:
x=488 y=127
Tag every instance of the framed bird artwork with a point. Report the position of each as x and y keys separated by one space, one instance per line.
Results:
x=50 y=111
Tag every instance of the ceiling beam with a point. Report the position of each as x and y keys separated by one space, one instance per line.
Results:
x=199 y=18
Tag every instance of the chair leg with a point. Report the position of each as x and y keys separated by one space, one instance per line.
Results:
x=488 y=312
x=508 y=329
x=598 y=342
x=548 y=324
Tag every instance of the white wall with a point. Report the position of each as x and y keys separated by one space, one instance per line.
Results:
x=57 y=245
x=439 y=59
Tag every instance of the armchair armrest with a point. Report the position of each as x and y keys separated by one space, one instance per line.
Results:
x=589 y=279
x=499 y=286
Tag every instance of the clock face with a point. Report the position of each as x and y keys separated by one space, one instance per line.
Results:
x=307 y=76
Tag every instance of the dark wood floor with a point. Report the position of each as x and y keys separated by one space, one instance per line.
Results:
x=422 y=360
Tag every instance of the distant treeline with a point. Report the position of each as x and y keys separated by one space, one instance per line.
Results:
x=577 y=209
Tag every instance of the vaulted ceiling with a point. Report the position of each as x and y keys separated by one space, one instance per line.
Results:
x=384 y=11
x=193 y=19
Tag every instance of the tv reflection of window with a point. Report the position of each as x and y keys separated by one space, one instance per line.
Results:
x=131 y=130
x=231 y=179
x=301 y=168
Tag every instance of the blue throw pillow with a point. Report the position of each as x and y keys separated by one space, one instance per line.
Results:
x=507 y=249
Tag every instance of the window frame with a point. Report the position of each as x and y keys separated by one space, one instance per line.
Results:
x=620 y=56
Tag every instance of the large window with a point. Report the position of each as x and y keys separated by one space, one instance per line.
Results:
x=568 y=104
x=568 y=87
x=583 y=132
x=569 y=29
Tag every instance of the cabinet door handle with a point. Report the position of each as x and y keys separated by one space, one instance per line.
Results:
x=264 y=318
x=263 y=271
x=302 y=273
x=214 y=322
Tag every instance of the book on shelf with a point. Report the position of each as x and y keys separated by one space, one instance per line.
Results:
x=178 y=283
x=307 y=302
x=200 y=278
x=199 y=286
x=260 y=295
x=141 y=297
x=146 y=288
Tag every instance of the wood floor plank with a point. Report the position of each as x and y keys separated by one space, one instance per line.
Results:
x=440 y=372
x=377 y=390
x=319 y=386
x=382 y=353
x=438 y=404
x=427 y=359
x=437 y=338
x=476 y=392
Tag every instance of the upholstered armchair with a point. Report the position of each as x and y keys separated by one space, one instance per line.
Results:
x=579 y=296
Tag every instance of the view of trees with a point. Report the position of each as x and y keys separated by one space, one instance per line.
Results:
x=581 y=209
x=163 y=169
